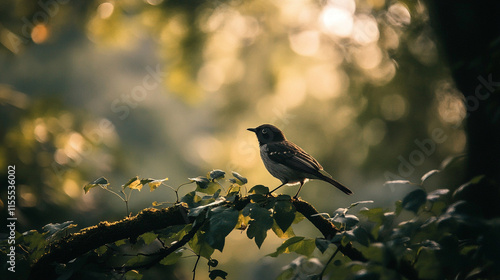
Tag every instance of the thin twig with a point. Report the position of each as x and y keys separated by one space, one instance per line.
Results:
x=177 y=190
x=195 y=265
x=328 y=262
x=113 y=192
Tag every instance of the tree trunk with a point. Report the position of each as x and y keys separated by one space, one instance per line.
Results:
x=468 y=33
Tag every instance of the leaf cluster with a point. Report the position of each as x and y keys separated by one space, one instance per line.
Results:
x=428 y=235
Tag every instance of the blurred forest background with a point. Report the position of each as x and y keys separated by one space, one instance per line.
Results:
x=167 y=88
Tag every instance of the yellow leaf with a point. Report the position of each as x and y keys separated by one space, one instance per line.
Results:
x=155 y=184
x=135 y=185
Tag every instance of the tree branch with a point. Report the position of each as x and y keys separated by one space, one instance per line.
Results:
x=88 y=239
x=93 y=237
x=329 y=230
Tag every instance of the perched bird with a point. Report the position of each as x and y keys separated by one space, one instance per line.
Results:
x=287 y=161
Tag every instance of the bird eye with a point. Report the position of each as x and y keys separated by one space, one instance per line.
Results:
x=264 y=131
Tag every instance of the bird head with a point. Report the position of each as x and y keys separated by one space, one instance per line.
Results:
x=268 y=133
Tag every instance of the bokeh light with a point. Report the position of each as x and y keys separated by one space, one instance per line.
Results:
x=352 y=82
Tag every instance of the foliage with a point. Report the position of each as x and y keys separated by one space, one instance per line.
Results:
x=428 y=235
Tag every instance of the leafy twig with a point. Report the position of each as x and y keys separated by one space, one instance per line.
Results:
x=195 y=265
x=328 y=262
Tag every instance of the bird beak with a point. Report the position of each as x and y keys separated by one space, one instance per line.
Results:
x=251 y=129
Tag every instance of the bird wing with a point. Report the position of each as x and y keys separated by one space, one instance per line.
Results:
x=291 y=155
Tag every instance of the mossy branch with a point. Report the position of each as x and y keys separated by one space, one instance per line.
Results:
x=77 y=244
x=93 y=237
x=327 y=228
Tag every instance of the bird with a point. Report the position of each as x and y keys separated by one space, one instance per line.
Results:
x=288 y=162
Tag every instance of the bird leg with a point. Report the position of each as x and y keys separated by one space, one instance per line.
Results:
x=278 y=187
x=297 y=194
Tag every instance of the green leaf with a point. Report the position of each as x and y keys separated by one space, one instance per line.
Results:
x=200 y=246
x=298 y=218
x=201 y=182
x=374 y=215
x=172 y=258
x=322 y=244
x=297 y=244
x=133 y=275
x=364 y=274
x=399 y=207
x=196 y=211
x=284 y=214
x=359 y=202
x=304 y=247
x=136 y=260
x=347 y=236
x=217 y=174
x=152 y=183
x=428 y=264
x=257 y=232
x=284 y=246
x=120 y=242
x=279 y=232
x=217 y=273
x=477 y=179
x=362 y=236
x=101 y=250
x=397 y=182
x=240 y=179
x=261 y=222
x=437 y=194
x=222 y=222
x=375 y=253
x=233 y=190
x=414 y=200
x=36 y=243
x=98 y=182
x=148 y=237
x=430 y=244
x=133 y=183
x=191 y=199
x=428 y=175
x=144 y=181
x=259 y=189
x=345 y=221
x=258 y=197
x=52 y=229
x=287 y=274
x=450 y=161
x=210 y=188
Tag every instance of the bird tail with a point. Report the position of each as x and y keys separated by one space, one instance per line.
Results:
x=327 y=177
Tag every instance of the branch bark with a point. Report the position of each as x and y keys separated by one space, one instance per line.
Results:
x=151 y=219
x=93 y=237
x=329 y=230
